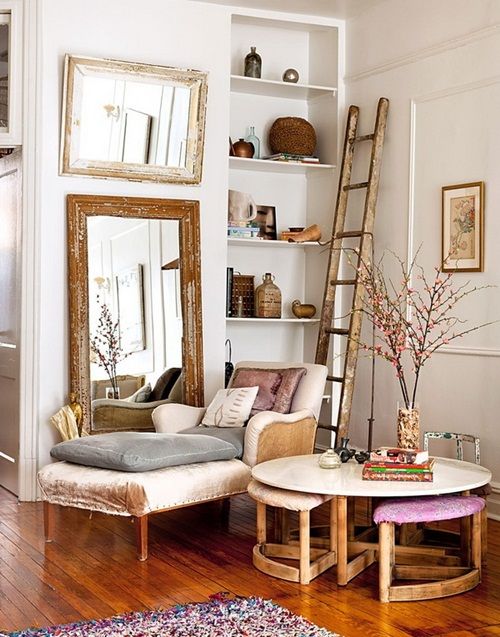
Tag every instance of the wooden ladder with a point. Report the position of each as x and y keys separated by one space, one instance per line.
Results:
x=364 y=255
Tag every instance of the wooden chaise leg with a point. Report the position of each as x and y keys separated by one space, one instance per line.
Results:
x=48 y=520
x=141 y=532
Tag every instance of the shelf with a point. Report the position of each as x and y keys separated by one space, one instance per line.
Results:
x=242 y=163
x=231 y=319
x=261 y=243
x=277 y=88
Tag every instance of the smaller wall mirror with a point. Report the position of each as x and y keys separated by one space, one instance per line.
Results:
x=132 y=121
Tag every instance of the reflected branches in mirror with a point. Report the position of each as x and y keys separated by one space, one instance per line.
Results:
x=130 y=319
x=133 y=121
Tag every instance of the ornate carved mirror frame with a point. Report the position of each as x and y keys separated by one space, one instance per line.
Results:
x=79 y=208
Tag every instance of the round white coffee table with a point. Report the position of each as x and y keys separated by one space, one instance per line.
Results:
x=303 y=473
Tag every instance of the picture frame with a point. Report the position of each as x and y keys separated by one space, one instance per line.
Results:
x=266 y=220
x=130 y=296
x=462 y=216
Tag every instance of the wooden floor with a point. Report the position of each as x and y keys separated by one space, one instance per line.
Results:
x=90 y=571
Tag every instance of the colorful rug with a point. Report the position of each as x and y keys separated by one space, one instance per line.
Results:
x=220 y=617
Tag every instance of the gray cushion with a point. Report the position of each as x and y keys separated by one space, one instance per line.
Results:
x=134 y=451
x=234 y=435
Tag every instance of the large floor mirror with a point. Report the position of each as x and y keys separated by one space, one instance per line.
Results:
x=135 y=307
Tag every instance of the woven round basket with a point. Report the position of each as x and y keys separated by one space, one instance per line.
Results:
x=292 y=135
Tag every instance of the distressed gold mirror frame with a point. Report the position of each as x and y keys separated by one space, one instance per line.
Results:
x=79 y=208
x=74 y=162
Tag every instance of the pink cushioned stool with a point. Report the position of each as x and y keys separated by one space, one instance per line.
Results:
x=450 y=579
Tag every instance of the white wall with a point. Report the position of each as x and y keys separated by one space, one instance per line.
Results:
x=437 y=62
x=168 y=32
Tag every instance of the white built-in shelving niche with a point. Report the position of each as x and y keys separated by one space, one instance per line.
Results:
x=303 y=194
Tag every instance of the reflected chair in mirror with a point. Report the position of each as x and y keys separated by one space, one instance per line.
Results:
x=267 y=435
x=133 y=412
x=448 y=539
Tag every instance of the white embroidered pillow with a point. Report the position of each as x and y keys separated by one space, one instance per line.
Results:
x=230 y=407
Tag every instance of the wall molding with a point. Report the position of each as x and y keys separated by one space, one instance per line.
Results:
x=30 y=286
x=421 y=99
x=437 y=49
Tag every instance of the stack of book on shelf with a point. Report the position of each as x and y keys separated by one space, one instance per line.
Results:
x=245 y=232
x=303 y=159
x=404 y=465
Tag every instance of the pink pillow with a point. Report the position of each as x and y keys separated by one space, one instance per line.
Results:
x=287 y=389
x=269 y=382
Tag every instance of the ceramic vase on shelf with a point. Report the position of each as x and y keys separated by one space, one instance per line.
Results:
x=408 y=426
x=253 y=63
x=267 y=298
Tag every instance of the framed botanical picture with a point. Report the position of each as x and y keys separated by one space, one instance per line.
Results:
x=463 y=227
x=266 y=219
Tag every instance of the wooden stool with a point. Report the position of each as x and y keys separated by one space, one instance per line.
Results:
x=264 y=551
x=451 y=579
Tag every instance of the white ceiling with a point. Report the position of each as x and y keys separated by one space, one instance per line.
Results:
x=342 y=9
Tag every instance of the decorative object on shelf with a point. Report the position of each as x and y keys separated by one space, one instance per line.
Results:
x=255 y=141
x=228 y=365
x=408 y=425
x=268 y=298
x=303 y=310
x=241 y=208
x=266 y=220
x=413 y=318
x=241 y=148
x=242 y=296
x=291 y=75
x=286 y=235
x=253 y=63
x=330 y=460
x=343 y=451
x=293 y=135
x=229 y=290
x=231 y=149
x=311 y=233
x=462 y=227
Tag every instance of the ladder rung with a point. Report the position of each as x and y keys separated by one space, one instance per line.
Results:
x=348 y=233
x=329 y=427
x=343 y=282
x=335 y=379
x=340 y=331
x=365 y=138
x=362 y=184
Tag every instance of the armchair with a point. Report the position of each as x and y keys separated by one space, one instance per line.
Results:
x=268 y=435
x=111 y=414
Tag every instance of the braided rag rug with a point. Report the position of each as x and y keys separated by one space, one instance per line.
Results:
x=219 y=617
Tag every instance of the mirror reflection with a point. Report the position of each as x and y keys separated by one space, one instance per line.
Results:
x=135 y=319
x=136 y=121
x=4 y=70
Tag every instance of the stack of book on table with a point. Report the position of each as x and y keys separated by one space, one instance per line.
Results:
x=402 y=465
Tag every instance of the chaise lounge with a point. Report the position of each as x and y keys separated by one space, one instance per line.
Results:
x=267 y=435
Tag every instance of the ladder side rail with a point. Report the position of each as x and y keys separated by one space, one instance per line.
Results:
x=364 y=257
x=336 y=243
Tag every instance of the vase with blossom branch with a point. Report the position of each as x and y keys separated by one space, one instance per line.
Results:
x=412 y=319
x=105 y=345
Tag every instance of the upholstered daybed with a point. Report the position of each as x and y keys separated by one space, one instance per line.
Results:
x=267 y=435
